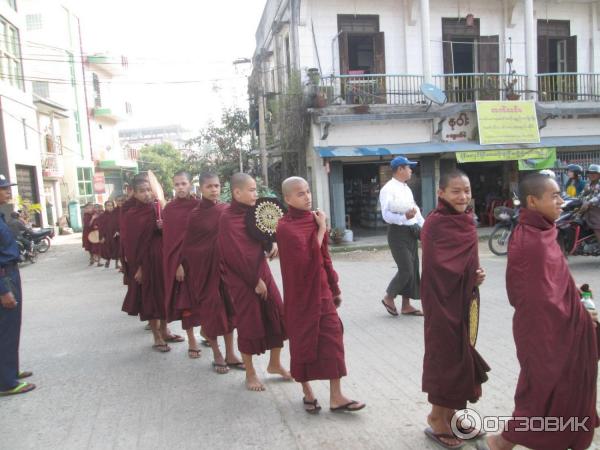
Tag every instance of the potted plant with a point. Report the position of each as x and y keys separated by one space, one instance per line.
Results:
x=511 y=82
x=336 y=235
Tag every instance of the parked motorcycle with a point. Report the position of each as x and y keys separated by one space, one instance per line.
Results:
x=507 y=219
x=42 y=239
x=27 y=252
x=574 y=236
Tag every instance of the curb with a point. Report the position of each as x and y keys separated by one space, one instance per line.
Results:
x=375 y=247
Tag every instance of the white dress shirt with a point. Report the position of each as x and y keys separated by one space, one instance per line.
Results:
x=398 y=190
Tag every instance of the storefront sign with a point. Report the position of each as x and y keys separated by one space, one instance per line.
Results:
x=99 y=183
x=507 y=122
x=539 y=164
x=459 y=128
x=506 y=155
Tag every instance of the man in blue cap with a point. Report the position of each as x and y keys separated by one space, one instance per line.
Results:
x=10 y=306
x=400 y=211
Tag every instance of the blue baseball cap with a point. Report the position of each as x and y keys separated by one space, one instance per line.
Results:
x=4 y=183
x=402 y=161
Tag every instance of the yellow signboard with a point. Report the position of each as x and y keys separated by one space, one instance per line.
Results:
x=506 y=155
x=507 y=122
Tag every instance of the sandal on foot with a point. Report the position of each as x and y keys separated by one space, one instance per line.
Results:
x=21 y=388
x=161 y=348
x=348 y=407
x=416 y=312
x=23 y=375
x=315 y=406
x=437 y=438
x=148 y=327
x=221 y=369
x=205 y=343
x=194 y=353
x=174 y=338
x=390 y=309
x=237 y=365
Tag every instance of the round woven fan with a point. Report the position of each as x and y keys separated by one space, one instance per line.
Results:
x=262 y=219
x=156 y=188
x=94 y=237
x=474 y=320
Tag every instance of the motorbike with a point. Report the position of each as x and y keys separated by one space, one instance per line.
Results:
x=507 y=219
x=27 y=251
x=574 y=236
x=42 y=239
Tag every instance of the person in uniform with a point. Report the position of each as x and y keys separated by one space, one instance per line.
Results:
x=11 y=306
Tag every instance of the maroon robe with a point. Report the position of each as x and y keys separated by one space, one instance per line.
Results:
x=86 y=244
x=175 y=218
x=95 y=223
x=453 y=370
x=555 y=338
x=109 y=226
x=259 y=322
x=203 y=299
x=143 y=248
x=127 y=204
x=309 y=286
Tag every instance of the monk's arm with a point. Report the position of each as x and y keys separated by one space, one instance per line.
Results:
x=332 y=276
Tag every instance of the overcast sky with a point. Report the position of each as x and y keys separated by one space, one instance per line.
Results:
x=176 y=40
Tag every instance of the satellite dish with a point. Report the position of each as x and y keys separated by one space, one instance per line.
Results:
x=433 y=94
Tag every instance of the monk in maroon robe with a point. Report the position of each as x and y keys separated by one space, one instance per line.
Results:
x=257 y=302
x=95 y=224
x=555 y=336
x=143 y=254
x=203 y=298
x=109 y=234
x=88 y=213
x=175 y=219
x=453 y=371
x=311 y=298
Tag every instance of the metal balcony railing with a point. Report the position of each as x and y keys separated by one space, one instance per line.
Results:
x=372 y=89
x=470 y=87
x=568 y=87
x=52 y=166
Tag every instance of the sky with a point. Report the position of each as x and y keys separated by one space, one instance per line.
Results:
x=174 y=41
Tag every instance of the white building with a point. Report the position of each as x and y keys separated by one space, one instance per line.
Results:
x=53 y=61
x=373 y=56
x=138 y=138
x=108 y=109
x=19 y=143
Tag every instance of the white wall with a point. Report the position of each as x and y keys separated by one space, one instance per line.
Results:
x=375 y=133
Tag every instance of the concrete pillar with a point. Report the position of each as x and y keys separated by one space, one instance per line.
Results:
x=336 y=191
x=425 y=41
x=595 y=60
x=429 y=180
x=530 y=49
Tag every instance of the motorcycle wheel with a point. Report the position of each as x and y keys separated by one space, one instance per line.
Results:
x=44 y=245
x=498 y=241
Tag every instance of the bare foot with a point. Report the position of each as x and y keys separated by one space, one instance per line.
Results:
x=411 y=311
x=254 y=384
x=279 y=370
x=440 y=426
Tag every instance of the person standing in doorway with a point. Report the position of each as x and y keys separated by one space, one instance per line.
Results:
x=404 y=218
x=10 y=306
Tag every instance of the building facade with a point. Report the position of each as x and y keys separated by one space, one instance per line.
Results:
x=362 y=64
x=19 y=143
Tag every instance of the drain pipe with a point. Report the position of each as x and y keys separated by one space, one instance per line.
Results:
x=335 y=38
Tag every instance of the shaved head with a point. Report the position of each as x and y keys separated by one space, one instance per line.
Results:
x=533 y=185
x=240 y=180
x=289 y=183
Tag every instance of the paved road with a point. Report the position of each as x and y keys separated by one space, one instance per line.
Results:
x=101 y=387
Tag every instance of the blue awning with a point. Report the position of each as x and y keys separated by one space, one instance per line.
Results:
x=426 y=148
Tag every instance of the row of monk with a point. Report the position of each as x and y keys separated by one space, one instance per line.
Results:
x=195 y=261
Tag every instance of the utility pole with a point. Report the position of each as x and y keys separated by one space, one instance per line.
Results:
x=262 y=137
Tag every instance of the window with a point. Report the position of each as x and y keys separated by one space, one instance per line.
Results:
x=97 y=96
x=10 y=55
x=41 y=88
x=86 y=185
x=34 y=22
x=12 y=4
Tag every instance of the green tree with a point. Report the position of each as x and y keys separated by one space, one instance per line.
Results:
x=218 y=147
x=164 y=160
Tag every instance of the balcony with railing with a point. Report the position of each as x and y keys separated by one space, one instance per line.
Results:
x=52 y=166
x=404 y=90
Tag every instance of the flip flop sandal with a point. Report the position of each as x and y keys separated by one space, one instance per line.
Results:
x=416 y=312
x=347 y=407
x=237 y=366
x=174 y=338
x=224 y=368
x=437 y=438
x=205 y=343
x=21 y=388
x=23 y=375
x=148 y=327
x=161 y=348
x=194 y=354
x=315 y=406
x=390 y=309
